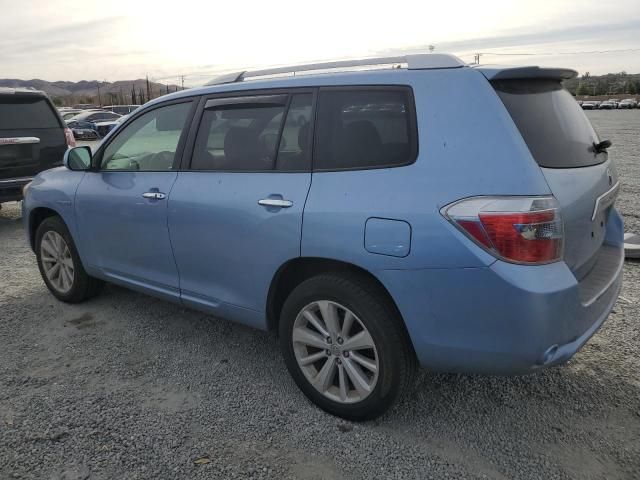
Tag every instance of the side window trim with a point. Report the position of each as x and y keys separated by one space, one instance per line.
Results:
x=227 y=98
x=248 y=100
x=285 y=114
x=97 y=158
x=413 y=123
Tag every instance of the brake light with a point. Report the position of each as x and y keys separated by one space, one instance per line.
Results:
x=68 y=135
x=516 y=229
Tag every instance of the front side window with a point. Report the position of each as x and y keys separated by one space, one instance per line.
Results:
x=149 y=142
x=365 y=128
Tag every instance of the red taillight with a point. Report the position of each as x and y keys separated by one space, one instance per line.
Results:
x=517 y=229
x=68 y=135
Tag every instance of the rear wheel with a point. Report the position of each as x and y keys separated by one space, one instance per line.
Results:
x=344 y=345
x=60 y=264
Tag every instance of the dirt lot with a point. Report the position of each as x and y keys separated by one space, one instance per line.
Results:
x=127 y=386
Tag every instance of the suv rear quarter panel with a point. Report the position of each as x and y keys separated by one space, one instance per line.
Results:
x=467 y=145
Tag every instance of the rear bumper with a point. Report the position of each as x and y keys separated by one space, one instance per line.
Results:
x=504 y=319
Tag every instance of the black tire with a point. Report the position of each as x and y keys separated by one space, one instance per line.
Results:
x=363 y=297
x=83 y=286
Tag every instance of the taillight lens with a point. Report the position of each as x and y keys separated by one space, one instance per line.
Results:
x=68 y=135
x=517 y=229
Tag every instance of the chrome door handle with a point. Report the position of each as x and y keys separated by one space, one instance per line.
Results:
x=154 y=195
x=275 y=202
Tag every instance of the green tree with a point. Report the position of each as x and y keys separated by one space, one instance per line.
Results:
x=582 y=89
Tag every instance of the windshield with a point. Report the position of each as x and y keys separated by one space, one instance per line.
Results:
x=551 y=122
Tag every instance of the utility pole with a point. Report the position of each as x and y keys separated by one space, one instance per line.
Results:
x=148 y=89
x=99 y=99
x=182 y=79
x=476 y=58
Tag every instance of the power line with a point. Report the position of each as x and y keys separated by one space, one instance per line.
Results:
x=539 y=54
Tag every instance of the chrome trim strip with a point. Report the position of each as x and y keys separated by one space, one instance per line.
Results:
x=18 y=140
x=605 y=200
x=17 y=180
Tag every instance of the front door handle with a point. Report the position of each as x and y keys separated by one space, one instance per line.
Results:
x=275 y=202
x=154 y=195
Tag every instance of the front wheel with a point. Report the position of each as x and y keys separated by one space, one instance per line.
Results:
x=344 y=345
x=60 y=265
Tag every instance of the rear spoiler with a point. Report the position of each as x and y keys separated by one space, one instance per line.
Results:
x=515 y=73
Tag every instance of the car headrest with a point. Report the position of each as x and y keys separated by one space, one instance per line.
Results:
x=240 y=143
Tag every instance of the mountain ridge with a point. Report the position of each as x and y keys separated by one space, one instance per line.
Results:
x=88 y=88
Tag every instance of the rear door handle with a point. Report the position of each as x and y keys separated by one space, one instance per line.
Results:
x=275 y=202
x=154 y=195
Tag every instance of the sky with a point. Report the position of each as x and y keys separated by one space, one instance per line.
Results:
x=126 y=39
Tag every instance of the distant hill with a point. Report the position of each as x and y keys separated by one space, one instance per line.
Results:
x=86 y=91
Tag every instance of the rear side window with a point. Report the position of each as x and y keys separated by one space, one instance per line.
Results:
x=364 y=128
x=294 y=153
x=247 y=135
x=26 y=112
x=551 y=122
x=238 y=137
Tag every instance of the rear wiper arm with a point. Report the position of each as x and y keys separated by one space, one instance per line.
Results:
x=602 y=146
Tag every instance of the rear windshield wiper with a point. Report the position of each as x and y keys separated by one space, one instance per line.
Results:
x=602 y=146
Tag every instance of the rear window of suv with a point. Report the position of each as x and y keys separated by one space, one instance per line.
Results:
x=365 y=127
x=26 y=112
x=551 y=122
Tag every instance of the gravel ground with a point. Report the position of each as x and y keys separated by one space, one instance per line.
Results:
x=127 y=386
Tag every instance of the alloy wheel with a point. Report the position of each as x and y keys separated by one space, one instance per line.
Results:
x=57 y=262
x=335 y=351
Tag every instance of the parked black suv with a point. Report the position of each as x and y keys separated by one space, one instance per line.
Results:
x=32 y=138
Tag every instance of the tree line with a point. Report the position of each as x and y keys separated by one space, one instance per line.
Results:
x=609 y=84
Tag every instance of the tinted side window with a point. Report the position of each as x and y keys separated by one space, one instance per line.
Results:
x=18 y=112
x=294 y=153
x=238 y=137
x=364 y=128
x=149 y=142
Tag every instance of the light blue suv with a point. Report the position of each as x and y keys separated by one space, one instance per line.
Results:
x=378 y=214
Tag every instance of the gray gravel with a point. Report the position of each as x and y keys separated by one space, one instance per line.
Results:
x=126 y=386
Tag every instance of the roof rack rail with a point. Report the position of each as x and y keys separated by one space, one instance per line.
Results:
x=420 y=61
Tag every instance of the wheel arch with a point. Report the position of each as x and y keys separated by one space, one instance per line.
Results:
x=297 y=270
x=36 y=217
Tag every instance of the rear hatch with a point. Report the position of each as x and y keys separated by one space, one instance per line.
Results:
x=574 y=162
x=31 y=135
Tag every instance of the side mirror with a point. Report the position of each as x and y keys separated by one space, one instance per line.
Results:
x=78 y=158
